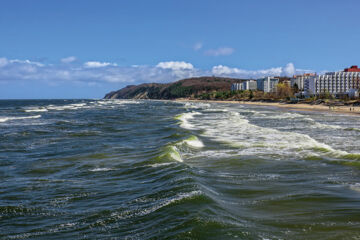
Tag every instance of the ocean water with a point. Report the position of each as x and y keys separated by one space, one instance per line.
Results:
x=126 y=169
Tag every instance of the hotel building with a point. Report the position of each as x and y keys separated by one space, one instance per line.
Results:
x=245 y=85
x=267 y=84
x=299 y=80
x=236 y=87
x=334 y=82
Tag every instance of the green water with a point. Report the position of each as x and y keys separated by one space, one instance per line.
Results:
x=121 y=169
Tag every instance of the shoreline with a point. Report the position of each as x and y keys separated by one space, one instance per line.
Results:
x=295 y=107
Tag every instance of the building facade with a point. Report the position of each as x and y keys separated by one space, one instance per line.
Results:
x=299 y=80
x=236 y=86
x=334 y=82
x=245 y=85
x=250 y=85
x=267 y=84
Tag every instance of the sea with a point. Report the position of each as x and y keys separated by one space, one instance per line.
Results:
x=142 y=169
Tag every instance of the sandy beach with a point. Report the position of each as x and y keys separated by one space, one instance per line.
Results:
x=298 y=106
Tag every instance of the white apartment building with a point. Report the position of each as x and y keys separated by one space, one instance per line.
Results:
x=299 y=80
x=334 y=82
x=250 y=85
x=267 y=84
x=236 y=86
x=245 y=85
x=309 y=85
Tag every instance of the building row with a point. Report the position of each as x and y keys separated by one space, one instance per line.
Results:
x=335 y=83
x=267 y=84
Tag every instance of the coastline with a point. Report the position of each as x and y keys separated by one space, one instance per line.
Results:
x=294 y=107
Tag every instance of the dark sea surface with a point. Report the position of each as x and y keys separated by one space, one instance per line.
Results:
x=122 y=169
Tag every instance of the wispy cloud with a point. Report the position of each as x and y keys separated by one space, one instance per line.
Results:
x=17 y=61
x=288 y=70
x=68 y=59
x=99 y=73
x=3 y=62
x=197 y=46
x=94 y=72
x=95 y=64
x=222 y=51
x=175 y=65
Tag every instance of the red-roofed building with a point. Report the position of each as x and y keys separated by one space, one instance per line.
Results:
x=353 y=68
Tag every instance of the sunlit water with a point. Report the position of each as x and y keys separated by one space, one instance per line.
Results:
x=121 y=169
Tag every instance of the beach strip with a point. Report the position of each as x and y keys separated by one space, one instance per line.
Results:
x=352 y=110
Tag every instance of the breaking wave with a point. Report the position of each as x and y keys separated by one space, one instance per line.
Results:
x=235 y=130
x=185 y=117
x=193 y=142
x=5 y=119
x=171 y=153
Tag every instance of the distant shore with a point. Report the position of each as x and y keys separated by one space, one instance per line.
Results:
x=355 y=110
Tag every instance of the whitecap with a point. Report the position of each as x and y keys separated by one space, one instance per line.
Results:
x=194 y=142
x=185 y=117
x=325 y=126
x=101 y=169
x=36 y=110
x=174 y=154
x=235 y=130
x=355 y=187
x=160 y=164
x=4 y=119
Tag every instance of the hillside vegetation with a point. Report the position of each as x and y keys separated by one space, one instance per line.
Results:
x=186 y=88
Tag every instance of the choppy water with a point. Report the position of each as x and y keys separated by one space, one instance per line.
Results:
x=116 y=169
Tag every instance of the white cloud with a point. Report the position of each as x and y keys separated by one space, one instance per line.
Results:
x=105 y=73
x=68 y=59
x=95 y=72
x=3 y=62
x=175 y=65
x=26 y=62
x=197 y=46
x=223 y=51
x=221 y=70
x=289 y=70
x=95 y=64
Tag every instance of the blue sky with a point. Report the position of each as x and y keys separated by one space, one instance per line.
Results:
x=83 y=49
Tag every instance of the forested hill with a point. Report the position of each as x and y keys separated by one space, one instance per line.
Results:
x=191 y=87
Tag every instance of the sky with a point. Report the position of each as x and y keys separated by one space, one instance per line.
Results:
x=86 y=48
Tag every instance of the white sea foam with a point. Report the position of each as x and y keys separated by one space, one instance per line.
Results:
x=250 y=139
x=160 y=164
x=5 y=119
x=171 y=152
x=185 y=117
x=286 y=116
x=174 y=154
x=194 y=142
x=117 y=102
x=101 y=169
x=36 y=109
x=311 y=122
x=179 y=197
x=355 y=187
x=216 y=110
x=196 y=105
x=74 y=106
x=78 y=104
x=325 y=126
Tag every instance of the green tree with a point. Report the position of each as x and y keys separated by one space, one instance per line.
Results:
x=283 y=91
x=295 y=88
